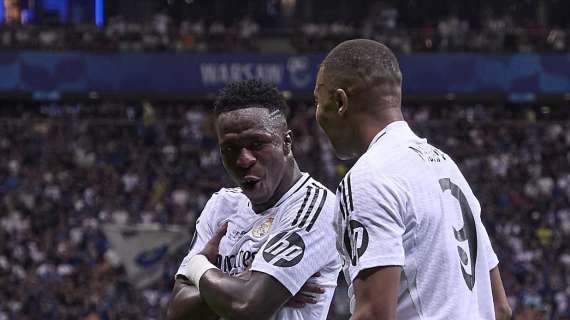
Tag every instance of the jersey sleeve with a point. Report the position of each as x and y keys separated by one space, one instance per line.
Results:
x=302 y=242
x=373 y=208
x=492 y=259
x=202 y=234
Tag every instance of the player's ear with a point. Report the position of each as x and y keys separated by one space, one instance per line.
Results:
x=287 y=142
x=342 y=101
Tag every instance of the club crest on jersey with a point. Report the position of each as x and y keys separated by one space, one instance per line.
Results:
x=260 y=230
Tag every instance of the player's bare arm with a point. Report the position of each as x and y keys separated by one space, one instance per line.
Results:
x=304 y=297
x=221 y=295
x=186 y=303
x=257 y=297
x=502 y=308
x=376 y=291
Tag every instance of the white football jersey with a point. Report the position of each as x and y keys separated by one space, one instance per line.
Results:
x=405 y=203
x=287 y=241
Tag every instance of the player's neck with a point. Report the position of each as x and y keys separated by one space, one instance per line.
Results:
x=289 y=179
x=368 y=127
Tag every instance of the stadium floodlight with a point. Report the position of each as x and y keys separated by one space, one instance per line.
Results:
x=99 y=14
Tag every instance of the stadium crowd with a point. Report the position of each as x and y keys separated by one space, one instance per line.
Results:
x=67 y=168
x=493 y=33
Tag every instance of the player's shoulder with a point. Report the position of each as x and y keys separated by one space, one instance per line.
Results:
x=315 y=184
x=391 y=154
x=230 y=192
x=377 y=174
x=230 y=197
x=309 y=192
x=303 y=189
x=224 y=202
x=311 y=204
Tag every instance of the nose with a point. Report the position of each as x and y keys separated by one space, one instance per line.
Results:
x=245 y=159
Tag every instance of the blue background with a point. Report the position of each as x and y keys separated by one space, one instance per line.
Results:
x=198 y=73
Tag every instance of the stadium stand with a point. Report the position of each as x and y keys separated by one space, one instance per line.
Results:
x=76 y=152
x=68 y=168
x=509 y=26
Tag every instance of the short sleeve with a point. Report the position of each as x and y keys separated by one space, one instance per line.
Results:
x=373 y=208
x=202 y=234
x=492 y=259
x=302 y=243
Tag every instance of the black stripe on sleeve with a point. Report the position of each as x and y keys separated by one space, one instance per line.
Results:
x=343 y=189
x=344 y=202
x=342 y=209
x=302 y=206
x=321 y=204
x=316 y=186
x=292 y=193
x=311 y=207
x=302 y=184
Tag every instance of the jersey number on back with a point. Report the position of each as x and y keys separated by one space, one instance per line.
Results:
x=467 y=233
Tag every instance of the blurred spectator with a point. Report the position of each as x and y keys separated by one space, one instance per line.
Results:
x=248 y=30
x=67 y=168
x=448 y=33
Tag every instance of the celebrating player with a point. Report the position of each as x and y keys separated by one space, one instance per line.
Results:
x=279 y=222
x=409 y=226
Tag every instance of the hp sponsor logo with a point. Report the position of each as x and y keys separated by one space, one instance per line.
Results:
x=355 y=240
x=284 y=250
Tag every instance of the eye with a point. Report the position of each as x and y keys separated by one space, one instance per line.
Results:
x=256 y=146
x=227 y=149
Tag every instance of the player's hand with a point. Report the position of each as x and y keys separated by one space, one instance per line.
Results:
x=246 y=275
x=307 y=294
x=213 y=246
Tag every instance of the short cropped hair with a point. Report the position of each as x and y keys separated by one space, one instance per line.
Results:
x=248 y=94
x=362 y=60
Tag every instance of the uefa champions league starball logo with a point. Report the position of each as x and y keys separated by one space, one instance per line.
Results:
x=299 y=71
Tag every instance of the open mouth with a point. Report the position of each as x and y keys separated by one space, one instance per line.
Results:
x=249 y=182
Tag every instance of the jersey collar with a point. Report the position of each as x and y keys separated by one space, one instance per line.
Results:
x=305 y=177
x=392 y=126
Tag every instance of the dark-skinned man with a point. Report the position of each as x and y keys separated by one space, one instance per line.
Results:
x=257 y=245
x=408 y=225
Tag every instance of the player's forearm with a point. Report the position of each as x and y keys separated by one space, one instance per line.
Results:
x=186 y=304
x=372 y=312
x=502 y=308
x=376 y=293
x=503 y=313
x=231 y=297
